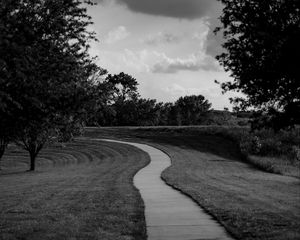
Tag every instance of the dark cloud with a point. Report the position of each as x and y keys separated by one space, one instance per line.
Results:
x=186 y=9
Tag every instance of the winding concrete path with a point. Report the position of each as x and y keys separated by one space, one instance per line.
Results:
x=170 y=215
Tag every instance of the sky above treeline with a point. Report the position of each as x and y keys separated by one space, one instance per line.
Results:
x=167 y=45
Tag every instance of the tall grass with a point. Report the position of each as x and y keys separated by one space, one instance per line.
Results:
x=276 y=152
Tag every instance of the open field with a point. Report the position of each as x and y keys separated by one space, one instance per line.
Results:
x=84 y=190
x=81 y=191
x=272 y=152
x=250 y=203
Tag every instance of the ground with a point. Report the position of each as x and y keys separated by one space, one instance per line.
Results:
x=250 y=203
x=89 y=193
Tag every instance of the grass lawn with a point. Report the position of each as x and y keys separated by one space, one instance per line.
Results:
x=250 y=203
x=81 y=191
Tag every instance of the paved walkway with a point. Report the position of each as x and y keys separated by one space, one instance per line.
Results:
x=169 y=214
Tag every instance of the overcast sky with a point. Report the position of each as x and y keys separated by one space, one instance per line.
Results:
x=167 y=45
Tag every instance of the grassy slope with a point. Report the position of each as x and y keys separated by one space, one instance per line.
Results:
x=92 y=197
x=250 y=203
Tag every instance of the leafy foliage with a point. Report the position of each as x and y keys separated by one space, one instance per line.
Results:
x=262 y=54
x=191 y=109
x=118 y=103
x=45 y=66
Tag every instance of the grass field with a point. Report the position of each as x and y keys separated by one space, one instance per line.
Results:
x=81 y=191
x=250 y=203
x=85 y=191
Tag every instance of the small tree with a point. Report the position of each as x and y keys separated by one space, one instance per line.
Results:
x=262 y=52
x=44 y=65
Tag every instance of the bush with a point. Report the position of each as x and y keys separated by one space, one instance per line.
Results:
x=269 y=143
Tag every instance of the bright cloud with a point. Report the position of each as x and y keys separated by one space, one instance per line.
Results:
x=116 y=35
x=161 y=38
x=194 y=62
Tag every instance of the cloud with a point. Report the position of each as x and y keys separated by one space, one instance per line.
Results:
x=187 y=9
x=194 y=62
x=136 y=60
x=126 y=60
x=116 y=35
x=176 y=90
x=161 y=38
x=212 y=94
x=214 y=42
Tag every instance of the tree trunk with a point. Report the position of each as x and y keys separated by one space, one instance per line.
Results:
x=32 y=161
x=2 y=149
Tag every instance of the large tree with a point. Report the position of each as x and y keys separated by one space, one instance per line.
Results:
x=45 y=67
x=262 y=53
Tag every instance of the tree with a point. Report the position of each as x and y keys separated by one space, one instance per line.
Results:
x=123 y=99
x=112 y=96
x=45 y=67
x=125 y=86
x=262 y=54
x=192 y=109
x=165 y=114
x=7 y=131
x=149 y=112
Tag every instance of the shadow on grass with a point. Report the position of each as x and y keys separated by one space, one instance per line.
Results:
x=17 y=172
x=202 y=142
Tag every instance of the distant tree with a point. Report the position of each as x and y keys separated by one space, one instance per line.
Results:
x=125 y=86
x=192 y=109
x=124 y=96
x=218 y=117
x=118 y=103
x=45 y=67
x=262 y=54
x=115 y=98
x=148 y=112
x=165 y=113
x=174 y=117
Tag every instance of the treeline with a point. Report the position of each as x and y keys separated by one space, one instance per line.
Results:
x=118 y=103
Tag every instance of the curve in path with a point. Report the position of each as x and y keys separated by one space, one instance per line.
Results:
x=170 y=215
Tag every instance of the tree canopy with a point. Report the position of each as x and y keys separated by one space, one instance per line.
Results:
x=118 y=103
x=191 y=109
x=45 y=67
x=262 y=54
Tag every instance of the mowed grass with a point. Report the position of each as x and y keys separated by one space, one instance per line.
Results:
x=248 y=202
x=81 y=191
